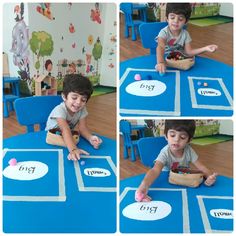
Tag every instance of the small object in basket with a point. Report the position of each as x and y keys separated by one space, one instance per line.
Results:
x=149 y=77
x=12 y=162
x=199 y=83
x=82 y=163
x=205 y=84
x=58 y=133
x=137 y=77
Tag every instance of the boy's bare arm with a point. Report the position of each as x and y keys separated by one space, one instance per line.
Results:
x=66 y=134
x=83 y=129
x=208 y=174
x=94 y=140
x=152 y=174
x=193 y=52
x=74 y=152
x=160 y=51
x=202 y=168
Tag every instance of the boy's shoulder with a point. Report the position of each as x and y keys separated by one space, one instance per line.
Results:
x=165 y=149
x=165 y=29
x=59 y=107
x=188 y=148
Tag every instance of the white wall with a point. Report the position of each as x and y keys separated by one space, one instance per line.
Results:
x=108 y=68
x=226 y=9
x=226 y=127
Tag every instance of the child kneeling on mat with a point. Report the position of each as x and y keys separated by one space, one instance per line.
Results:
x=178 y=134
x=71 y=114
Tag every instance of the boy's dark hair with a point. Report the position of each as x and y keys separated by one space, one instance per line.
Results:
x=188 y=126
x=78 y=84
x=179 y=9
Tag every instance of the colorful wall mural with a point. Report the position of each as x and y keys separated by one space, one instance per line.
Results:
x=78 y=34
x=20 y=41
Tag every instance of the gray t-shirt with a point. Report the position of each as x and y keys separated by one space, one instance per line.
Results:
x=167 y=158
x=174 y=43
x=60 y=111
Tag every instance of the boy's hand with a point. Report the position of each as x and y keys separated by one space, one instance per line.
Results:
x=211 y=179
x=211 y=48
x=161 y=67
x=74 y=155
x=95 y=141
x=141 y=195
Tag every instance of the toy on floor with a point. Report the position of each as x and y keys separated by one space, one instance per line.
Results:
x=185 y=177
x=13 y=162
x=54 y=137
x=179 y=61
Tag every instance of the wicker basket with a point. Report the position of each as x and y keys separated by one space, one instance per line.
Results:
x=54 y=137
x=179 y=60
x=190 y=178
x=183 y=64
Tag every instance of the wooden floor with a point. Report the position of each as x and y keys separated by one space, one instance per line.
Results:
x=218 y=157
x=101 y=118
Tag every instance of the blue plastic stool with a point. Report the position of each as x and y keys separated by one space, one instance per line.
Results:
x=125 y=129
x=127 y=9
x=8 y=99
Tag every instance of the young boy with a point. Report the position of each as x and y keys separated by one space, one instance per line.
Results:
x=71 y=114
x=174 y=37
x=178 y=134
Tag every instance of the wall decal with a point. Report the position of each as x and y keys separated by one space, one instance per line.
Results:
x=97 y=52
x=19 y=11
x=20 y=42
x=111 y=65
x=95 y=14
x=113 y=38
x=88 y=62
x=69 y=5
x=71 y=28
x=90 y=39
x=41 y=44
x=45 y=10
